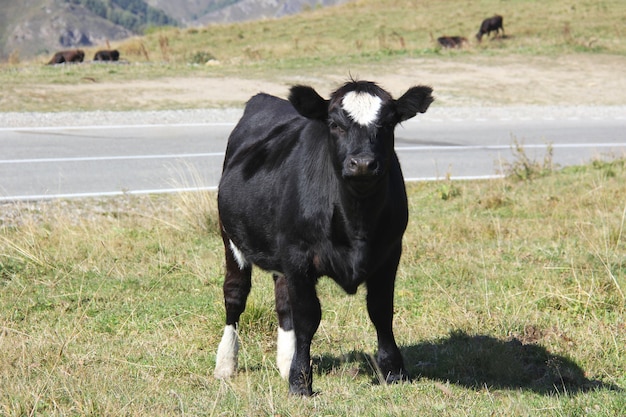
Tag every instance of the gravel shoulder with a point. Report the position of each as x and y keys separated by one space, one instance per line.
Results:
x=232 y=115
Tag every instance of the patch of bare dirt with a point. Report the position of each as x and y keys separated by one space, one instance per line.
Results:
x=457 y=81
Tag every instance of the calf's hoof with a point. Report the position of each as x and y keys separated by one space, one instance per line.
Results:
x=397 y=377
x=301 y=391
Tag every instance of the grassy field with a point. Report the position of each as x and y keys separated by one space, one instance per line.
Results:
x=367 y=30
x=359 y=33
x=510 y=301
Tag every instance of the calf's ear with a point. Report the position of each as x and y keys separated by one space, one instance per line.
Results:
x=308 y=103
x=415 y=100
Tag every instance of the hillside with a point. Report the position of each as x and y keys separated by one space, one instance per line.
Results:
x=33 y=27
x=244 y=10
x=200 y=12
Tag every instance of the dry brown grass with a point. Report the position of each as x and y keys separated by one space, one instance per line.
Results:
x=559 y=52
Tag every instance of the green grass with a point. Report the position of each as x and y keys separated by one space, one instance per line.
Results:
x=509 y=301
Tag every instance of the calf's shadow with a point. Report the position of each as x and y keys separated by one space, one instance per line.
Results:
x=479 y=362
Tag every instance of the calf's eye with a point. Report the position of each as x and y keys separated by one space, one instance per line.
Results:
x=335 y=127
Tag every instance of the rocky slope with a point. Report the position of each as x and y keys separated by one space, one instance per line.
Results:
x=35 y=27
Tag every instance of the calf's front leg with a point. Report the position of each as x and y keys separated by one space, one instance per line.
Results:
x=380 y=293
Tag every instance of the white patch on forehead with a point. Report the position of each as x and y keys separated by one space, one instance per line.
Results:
x=363 y=108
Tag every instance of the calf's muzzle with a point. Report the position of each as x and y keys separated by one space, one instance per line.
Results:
x=361 y=166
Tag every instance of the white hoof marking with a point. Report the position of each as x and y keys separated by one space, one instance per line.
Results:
x=285 y=348
x=226 y=360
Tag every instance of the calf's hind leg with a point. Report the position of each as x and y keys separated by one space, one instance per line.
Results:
x=306 y=313
x=237 y=284
x=286 y=341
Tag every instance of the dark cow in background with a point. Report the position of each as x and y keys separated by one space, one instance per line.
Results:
x=310 y=188
x=76 y=55
x=491 y=24
x=452 y=41
x=107 y=55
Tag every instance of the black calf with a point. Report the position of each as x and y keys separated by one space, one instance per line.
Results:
x=310 y=188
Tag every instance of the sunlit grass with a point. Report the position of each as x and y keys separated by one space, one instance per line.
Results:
x=509 y=300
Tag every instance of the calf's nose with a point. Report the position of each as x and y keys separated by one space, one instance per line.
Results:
x=361 y=166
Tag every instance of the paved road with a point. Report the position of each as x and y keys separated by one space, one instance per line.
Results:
x=58 y=162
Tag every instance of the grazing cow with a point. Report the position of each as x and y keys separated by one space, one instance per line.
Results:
x=310 y=188
x=107 y=55
x=451 y=41
x=491 y=24
x=76 y=55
